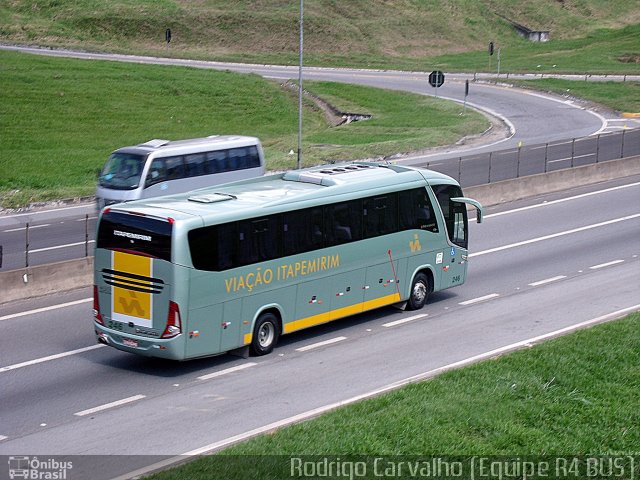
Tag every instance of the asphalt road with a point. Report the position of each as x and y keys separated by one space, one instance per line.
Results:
x=536 y=267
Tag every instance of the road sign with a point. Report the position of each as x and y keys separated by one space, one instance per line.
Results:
x=436 y=78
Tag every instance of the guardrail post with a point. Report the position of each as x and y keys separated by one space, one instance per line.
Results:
x=518 y=160
x=459 y=169
x=622 y=146
x=490 y=160
x=573 y=150
x=598 y=148
x=546 y=156
x=86 y=235
x=26 y=246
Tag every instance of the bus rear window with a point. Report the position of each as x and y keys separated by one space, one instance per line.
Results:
x=136 y=234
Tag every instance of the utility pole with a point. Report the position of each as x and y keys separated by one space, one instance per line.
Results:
x=299 y=163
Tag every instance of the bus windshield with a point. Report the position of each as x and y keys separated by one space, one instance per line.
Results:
x=122 y=171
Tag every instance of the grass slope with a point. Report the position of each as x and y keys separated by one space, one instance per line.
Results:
x=60 y=119
x=623 y=97
x=575 y=395
x=413 y=34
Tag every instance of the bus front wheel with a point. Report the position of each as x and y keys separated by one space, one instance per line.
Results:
x=265 y=334
x=419 y=292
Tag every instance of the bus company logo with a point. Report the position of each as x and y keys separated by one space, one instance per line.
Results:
x=36 y=469
x=414 y=244
x=132 y=304
x=132 y=236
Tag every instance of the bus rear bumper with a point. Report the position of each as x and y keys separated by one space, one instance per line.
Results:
x=170 y=349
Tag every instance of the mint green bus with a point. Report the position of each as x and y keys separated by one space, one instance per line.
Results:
x=233 y=267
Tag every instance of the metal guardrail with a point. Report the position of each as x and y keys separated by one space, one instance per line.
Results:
x=469 y=170
x=508 y=164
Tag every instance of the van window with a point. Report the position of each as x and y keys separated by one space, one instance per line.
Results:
x=175 y=167
x=195 y=164
x=157 y=172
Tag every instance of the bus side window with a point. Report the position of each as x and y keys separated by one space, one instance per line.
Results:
x=343 y=222
x=380 y=215
x=265 y=238
x=157 y=172
x=416 y=211
x=301 y=231
x=175 y=167
x=225 y=252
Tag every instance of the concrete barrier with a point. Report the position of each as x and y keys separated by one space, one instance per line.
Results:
x=540 y=184
x=58 y=277
x=45 y=279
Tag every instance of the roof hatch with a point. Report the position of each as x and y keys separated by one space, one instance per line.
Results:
x=155 y=143
x=212 y=198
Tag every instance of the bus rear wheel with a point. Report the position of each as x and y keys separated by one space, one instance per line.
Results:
x=419 y=292
x=265 y=334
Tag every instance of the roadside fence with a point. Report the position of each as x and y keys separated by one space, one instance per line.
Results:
x=524 y=160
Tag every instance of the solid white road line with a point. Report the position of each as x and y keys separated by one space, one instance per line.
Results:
x=49 y=358
x=45 y=309
x=226 y=371
x=320 y=344
x=547 y=280
x=608 y=264
x=57 y=247
x=117 y=403
x=479 y=299
x=574 y=157
x=555 y=235
x=24 y=228
x=561 y=200
x=404 y=320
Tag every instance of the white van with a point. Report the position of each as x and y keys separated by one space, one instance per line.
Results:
x=163 y=167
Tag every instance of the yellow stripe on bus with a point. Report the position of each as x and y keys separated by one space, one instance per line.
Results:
x=340 y=313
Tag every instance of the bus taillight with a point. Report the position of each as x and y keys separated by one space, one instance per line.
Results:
x=96 y=306
x=174 y=323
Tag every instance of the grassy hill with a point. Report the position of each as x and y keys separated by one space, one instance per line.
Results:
x=411 y=34
x=60 y=118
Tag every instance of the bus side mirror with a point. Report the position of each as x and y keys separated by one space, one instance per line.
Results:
x=474 y=203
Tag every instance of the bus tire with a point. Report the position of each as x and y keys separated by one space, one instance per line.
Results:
x=265 y=334
x=419 y=292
